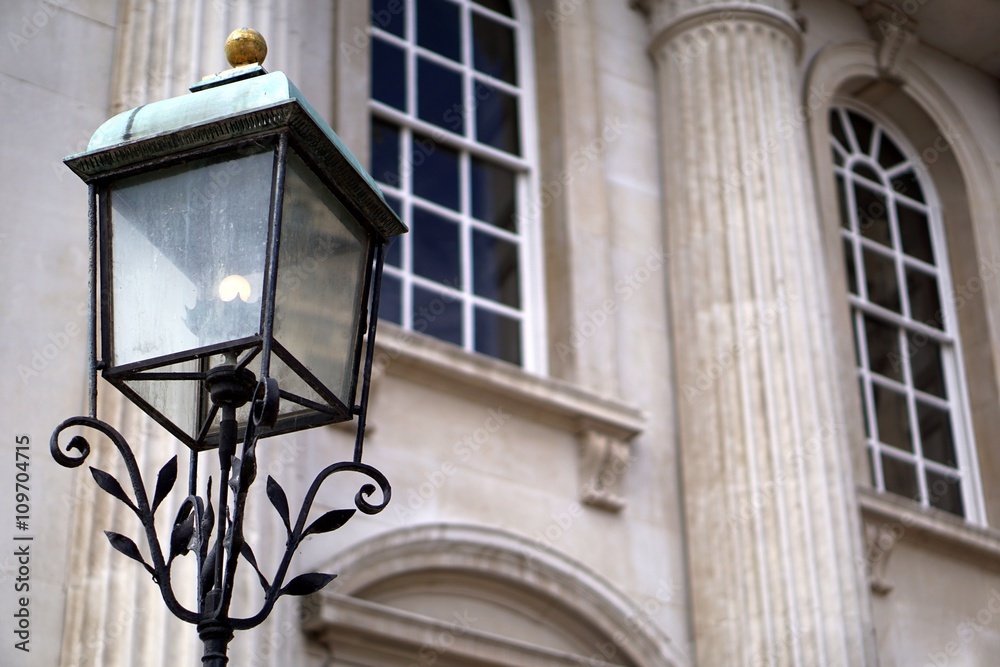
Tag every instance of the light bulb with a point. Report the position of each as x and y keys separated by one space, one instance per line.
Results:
x=233 y=286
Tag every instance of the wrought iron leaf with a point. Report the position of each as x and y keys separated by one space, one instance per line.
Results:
x=208 y=569
x=165 y=482
x=247 y=553
x=180 y=536
x=234 y=479
x=111 y=486
x=249 y=468
x=280 y=501
x=128 y=547
x=330 y=521
x=306 y=584
x=208 y=520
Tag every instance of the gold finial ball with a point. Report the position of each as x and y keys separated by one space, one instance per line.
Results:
x=245 y=46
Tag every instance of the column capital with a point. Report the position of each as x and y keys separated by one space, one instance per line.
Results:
x=669 y=18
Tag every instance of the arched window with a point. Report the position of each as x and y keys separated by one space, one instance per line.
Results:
x=905 y=330
x=449 y=149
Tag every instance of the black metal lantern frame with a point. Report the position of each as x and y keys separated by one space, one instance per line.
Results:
x=245 y=405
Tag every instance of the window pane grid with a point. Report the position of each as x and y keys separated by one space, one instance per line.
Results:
x=494 y=16
x=450 y=132
x=914 y=436
x=441 y=136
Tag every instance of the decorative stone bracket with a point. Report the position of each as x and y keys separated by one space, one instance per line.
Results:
x=605 y=457
x=895 y=32
x=880 y=538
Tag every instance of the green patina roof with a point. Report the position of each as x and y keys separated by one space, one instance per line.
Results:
x=237 y=103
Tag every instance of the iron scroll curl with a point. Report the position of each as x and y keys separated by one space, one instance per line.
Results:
x=192 y=529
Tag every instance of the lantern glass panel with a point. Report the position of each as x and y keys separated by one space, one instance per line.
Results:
x=321 y=275
x=178 y=402
x=188 y=253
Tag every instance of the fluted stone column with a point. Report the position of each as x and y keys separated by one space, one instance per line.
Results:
x=772 y=519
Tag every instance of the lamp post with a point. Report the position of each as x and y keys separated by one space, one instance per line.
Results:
x=236 y=256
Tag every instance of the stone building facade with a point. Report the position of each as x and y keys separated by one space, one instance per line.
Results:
x=690 y=357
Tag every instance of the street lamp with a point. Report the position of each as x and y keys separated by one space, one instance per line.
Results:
x=236 y=255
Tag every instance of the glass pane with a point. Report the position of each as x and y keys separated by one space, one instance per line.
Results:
x=883 y=349
x=396 y=205
x=499 y=6
x=914 y=233
x=494 y=194
x=837 y=128
x=390 y=305
x=892 y=418
x=394 y=251
x=863 y=129
x=188 y=254
x=498 y=336
x=437 y=314
x=849 y=268
x=907 y=185
x=436 y=246
x=945 y=493
x=388 y=74
x=438 y=27
x=435 y=172
x=900 y=478
x=873 y=216
x=925 y=305
x=177 y=400
x=867 y=172
x=493 y=49
x=845 y=219
x=935 y=434
x=925 y=364
x=385 y=153
x=889 y=154
x=496 y=119
x=880 y=279
x=838 y=158
x=864 y=407
x=321 y=268
x=439 y=96
x=390 y=15
x=495 y=269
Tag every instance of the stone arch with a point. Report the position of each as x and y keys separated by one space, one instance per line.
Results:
x=915 y=106
x=461 y=595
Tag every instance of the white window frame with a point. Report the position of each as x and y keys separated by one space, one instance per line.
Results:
x=528 y=237
x=948 y=337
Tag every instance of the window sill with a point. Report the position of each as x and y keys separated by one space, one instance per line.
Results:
x=887 y=519
x=605 y=427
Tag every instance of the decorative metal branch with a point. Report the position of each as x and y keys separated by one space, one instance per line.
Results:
x=195 y=522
